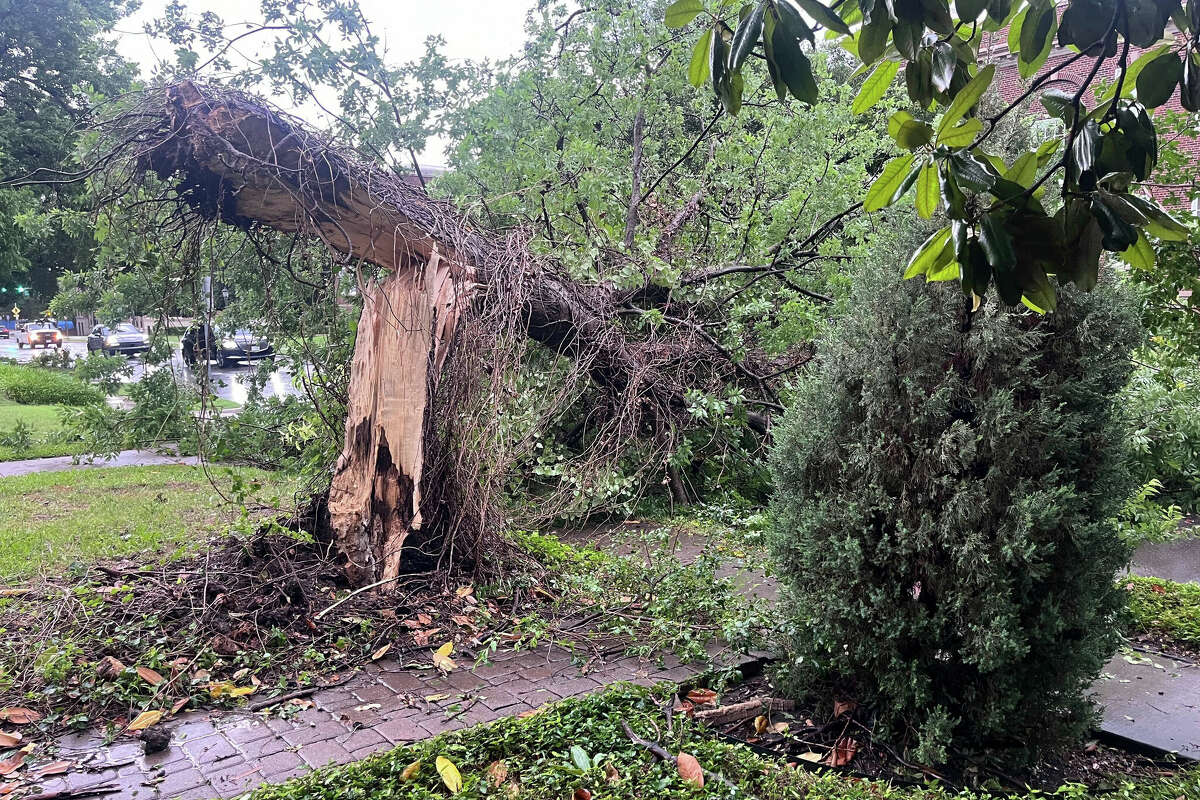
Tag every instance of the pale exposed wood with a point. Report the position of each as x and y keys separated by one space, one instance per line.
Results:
x=744 y=710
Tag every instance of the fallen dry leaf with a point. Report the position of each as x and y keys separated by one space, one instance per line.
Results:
x=450 y=774
x=463 y=591
x=690 y=770
x=533 y=712
x=497 y=773
x=811 y=756
x=433 y=698
x=55 y=768
x=20 y=592
x=702 y=696
x=145 y=720
x=227 y=689
x=410 y=771
x=842 y=753
x=610 y=773
x=109 y=667
x=581 y=794
x=412 y=624
x=12 y=763
x=381 y=652
x=19 y=716
x=422 y=638
x=150 y=676
x=465 y=622
x=441 y=657
x=424 y=619
x=760 y=724
x=179 y=704
x=684 y=707
x=844 y=707
x=780 y=728
x=9 y=739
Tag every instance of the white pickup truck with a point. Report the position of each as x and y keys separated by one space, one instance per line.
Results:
x=35 y=333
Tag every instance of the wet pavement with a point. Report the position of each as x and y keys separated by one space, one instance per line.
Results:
x=1153 y=701
x=230 y=383
x=126 y=458
x=1177 y=561
x=222 y=754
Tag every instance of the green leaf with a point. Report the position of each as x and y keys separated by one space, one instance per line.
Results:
x=1037 y=37
x=823 y=15
x=1158 y=222
x=1132 y=72
x=976 y=272
x=1084 y=148
x=997 y=243
x=1119 y=235
x=1037 y=293
x=580 y=757
x=952 y=195
x=925 y=256
x=1189 y=90
x=944 y=62
x=927 y=191
x=875 y=86
x=793 y=22
x=888 y=183
x=681 y=12
x=746 y=36
x=913 y=134
x=698 y=70
x=918 y=78
x=1059 y=105
x=794 y=67
x=1157 y=80
x=962 y=135
x=1139 y=255
x=872 y=38
x=895 y=121
x=967 y=97
x=969 y=10
x=1023 y=170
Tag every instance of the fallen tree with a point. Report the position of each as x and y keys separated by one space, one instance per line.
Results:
x=427 y=280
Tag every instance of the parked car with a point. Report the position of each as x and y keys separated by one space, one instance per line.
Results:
x=5 y=332
x=121 y=338
x=39 y=333
x=203 y=343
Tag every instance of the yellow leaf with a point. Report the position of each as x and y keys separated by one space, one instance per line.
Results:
x=449 y=773
x=441 y=658
x=410 y=771
x=760 y=724
x=145 y=720
x=433 y=698
x=381 y=652
x=226 y=689
x=811 y=756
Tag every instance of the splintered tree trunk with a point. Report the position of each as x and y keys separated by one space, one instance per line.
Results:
x=404 y=334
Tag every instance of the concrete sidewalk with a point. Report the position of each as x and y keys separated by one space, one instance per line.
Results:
x=126 y=458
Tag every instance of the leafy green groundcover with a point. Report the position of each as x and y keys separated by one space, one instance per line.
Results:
x=41 y=386
x=1166 y=607
x=579 y=744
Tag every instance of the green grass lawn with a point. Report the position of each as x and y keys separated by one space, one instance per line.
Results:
x=43 y=422
x=1166 y=607
x=50 y=520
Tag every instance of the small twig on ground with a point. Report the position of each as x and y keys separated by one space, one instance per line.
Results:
x=661 y=752
x=356 y=592
x=744 y=710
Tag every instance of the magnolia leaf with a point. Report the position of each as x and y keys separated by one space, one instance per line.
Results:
x=913 y=134
x=145 y=720
x=441 y=657
x=811 y=756
x=226 y=689
x=875 y=86
x=19 y=716
x=997 y=242
x=698 y=70
x=55 y=768
x=12 y=763
x=581 y=794
x=961 y=135
x=150 y=676
x=702 y=696
x=9 y=739
x=1157 y=80
x=681 y=12
x=928 y=191
x=746 y=36
x=889 y=181
x=1139 y=255
x=823 y=15
x=690 y=770
x=410 y=771
x=928 y=253
x=760 y=724
x=381 y=652
x=967 y=97
x=449 y=773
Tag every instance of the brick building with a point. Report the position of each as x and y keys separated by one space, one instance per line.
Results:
x=994 y=48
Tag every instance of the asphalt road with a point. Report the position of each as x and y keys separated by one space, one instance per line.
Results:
x=228 y=383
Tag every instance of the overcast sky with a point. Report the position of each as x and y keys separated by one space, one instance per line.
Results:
x=473 y=29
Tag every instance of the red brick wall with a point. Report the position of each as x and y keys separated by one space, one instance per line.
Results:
x=994 y=47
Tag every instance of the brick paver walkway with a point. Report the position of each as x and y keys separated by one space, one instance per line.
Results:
x=222 y=754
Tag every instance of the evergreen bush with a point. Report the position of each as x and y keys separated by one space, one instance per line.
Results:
x=943 y=516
